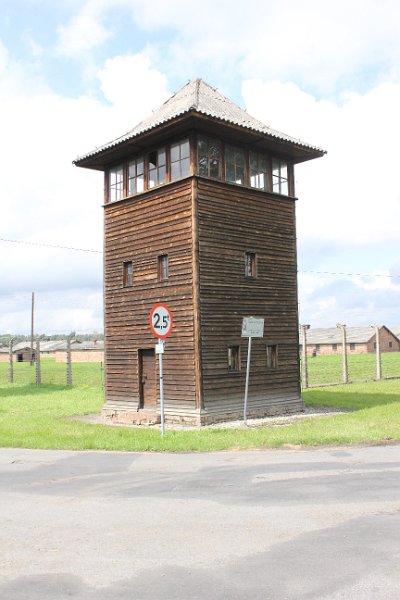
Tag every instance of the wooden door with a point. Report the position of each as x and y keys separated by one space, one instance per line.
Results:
x=147 y=379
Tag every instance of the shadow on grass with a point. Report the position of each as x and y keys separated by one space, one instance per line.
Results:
x=31 y=389
x=350 y=400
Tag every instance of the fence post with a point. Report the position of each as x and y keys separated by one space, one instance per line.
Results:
x=11 y=364
x=345 y=369
x=37 y=356
x=378 y=352
x=69 y=365
x=304 y=366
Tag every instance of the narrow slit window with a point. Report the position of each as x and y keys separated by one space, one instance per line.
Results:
x=234 y=165
x=157 y=167
x=272 y=356
x=259 y=175
x=233 y=359
x=209 y=157
x=116 y=183
x=180 y=160
x=163 y=267
x=280 y=183
x=135 y=176
x=250 y=264
x=128 y=273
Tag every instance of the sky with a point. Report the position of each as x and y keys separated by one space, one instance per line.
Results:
x=75 y=74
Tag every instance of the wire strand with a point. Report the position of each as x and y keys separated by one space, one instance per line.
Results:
x=50 y=246
x=41 y=244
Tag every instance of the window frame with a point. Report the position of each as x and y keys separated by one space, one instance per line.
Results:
x=120 y=167
x=234 y=359
x=236 y=150
x=179 y=143
x=162 y=267
x=161 y=173
x=221 y=162
x=250 y=265
x=280 y=179
x=271 y=356
x=135 y=160
x=267 y=175
x=127 y=273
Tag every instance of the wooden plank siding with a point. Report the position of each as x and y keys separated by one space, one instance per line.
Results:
x=139 y=229
x=232 y=221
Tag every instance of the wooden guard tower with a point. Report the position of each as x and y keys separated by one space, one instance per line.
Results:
x=200 y=214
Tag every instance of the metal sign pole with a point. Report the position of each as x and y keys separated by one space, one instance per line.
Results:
x=247 y=382
x=160 y=356
x=161 y=325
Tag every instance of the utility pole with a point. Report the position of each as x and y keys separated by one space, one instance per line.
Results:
x=378 y=352
x=304 y=367
x=32 y=327
x=345 y=371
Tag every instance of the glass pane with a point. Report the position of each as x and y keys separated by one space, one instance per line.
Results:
x=132 y=186
x=139 y=166
x=263 y=165
x=275 y=184
x=203 y=165
x=152 y=160
x=254 y=181
x=185 y=149
x=275 y=167
x=140 y=183
x=175 y=171
x=229 y=155
x=185 y=167
x=214 y=150
x=161 y=157
x=261 y=181
x=162 y=174
x=202 y=154
x=253 y=164
x=152 y=178
x=240 y=175
x=132 y=169
x=284 y=170
x=284 y=187
x=239 y=155
x=214 y=168
x=175 y=152
x=230 y=172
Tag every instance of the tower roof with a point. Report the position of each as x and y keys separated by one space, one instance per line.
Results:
x=198 y=99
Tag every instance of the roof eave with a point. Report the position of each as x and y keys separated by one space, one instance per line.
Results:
x=111 y=152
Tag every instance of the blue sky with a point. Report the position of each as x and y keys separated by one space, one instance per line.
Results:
x=77 y=73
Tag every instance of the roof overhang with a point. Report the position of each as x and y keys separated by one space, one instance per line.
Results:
x=101 y=158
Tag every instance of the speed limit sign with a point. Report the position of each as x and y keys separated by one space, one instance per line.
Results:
x=161 y=321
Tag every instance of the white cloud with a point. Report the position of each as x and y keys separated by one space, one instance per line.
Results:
x=133 y=86
x=48 y=200
x=319 y=43
x=84 y=31
x=351 y=196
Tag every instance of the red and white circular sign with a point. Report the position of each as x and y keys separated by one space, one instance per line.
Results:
x=161 y=321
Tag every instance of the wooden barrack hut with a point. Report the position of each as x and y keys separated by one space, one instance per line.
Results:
x=200 y=214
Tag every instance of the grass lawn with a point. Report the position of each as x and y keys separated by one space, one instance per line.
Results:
x=40 y=417
x=328 y=368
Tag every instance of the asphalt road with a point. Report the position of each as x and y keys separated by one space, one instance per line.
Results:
x=315 y=524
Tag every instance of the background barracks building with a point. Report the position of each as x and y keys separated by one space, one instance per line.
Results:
x=200 y=214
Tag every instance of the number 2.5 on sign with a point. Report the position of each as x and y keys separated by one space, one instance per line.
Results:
x=161 y=321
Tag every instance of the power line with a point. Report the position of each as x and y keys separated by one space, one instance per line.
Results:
x=350 y=274
x=50 y=246
x=100 y=252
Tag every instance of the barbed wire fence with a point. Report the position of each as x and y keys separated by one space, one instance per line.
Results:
x=32 y=366
x=344 y=364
